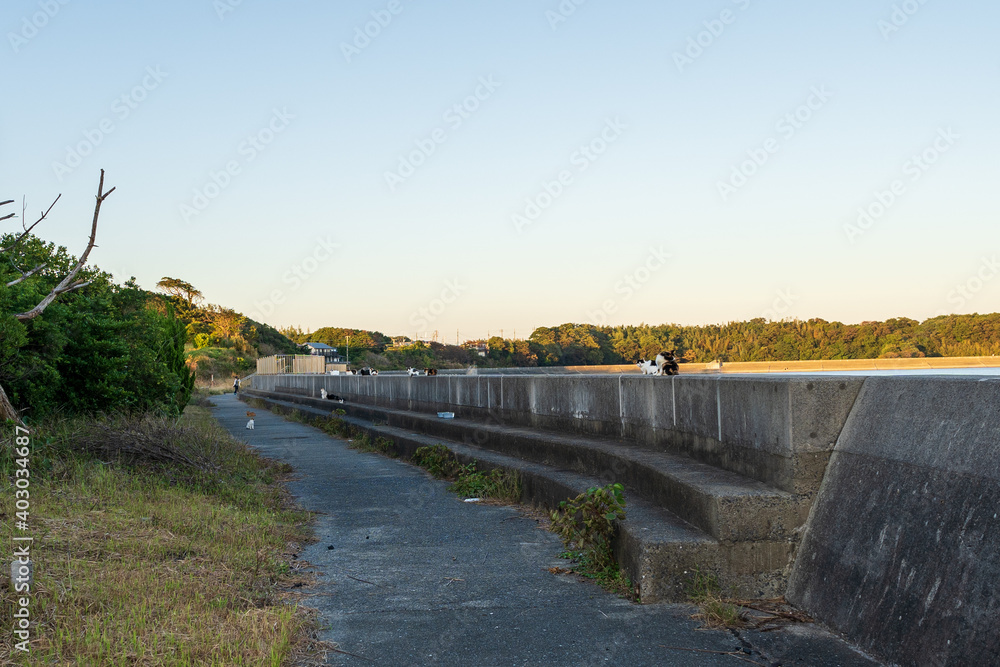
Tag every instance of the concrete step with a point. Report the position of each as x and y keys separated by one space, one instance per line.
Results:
x=724 y=504
x=657 y=550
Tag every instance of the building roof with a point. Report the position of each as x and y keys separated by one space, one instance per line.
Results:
x=319 y=346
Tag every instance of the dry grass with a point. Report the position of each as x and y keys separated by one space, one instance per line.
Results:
x=713 y=610
x=163 y=564
x=716 y=611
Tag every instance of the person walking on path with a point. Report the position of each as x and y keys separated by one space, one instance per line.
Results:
x=236 y=386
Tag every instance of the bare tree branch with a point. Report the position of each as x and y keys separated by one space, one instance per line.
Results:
x=75 y=286
x=25 y=276
x=67 y=284
x=9 y=215
x=27 y=230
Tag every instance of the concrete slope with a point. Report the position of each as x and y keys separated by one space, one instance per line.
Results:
x=902 y=552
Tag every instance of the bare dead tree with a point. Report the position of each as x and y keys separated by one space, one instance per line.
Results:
x=69 y=282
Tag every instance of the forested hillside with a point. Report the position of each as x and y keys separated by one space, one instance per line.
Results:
x=221 y=342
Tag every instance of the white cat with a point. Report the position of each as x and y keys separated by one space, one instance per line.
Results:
x=251 y=415
x=647 y=367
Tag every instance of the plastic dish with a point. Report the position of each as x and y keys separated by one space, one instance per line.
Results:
x=446 y=415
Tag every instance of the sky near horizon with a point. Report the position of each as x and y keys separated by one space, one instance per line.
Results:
x=471 y=167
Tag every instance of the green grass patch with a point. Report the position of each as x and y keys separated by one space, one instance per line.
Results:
x=157 y=561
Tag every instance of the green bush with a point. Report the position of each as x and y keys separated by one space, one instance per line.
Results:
x=104 y=348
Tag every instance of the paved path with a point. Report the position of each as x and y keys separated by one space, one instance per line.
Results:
x=414 y=576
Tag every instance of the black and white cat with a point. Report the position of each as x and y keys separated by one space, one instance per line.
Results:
x=333 y=397
x=666 y=362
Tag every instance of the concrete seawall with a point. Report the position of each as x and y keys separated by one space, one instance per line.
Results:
x=902 y=552
x=899 y=478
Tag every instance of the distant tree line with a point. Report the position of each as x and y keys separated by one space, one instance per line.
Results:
x=756 y=340
x=361 y=341
x=762 y=340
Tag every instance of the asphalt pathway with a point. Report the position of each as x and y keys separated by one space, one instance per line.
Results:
x=412 y=575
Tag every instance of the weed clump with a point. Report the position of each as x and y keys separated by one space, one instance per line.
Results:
x=363 y=443
x=497 y=484
x=586 y=525
x=438 y=460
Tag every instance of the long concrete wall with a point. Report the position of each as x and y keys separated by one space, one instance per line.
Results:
x=778 y=430
x=902 y=551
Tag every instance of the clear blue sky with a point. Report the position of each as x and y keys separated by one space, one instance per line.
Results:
x=667 y=125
